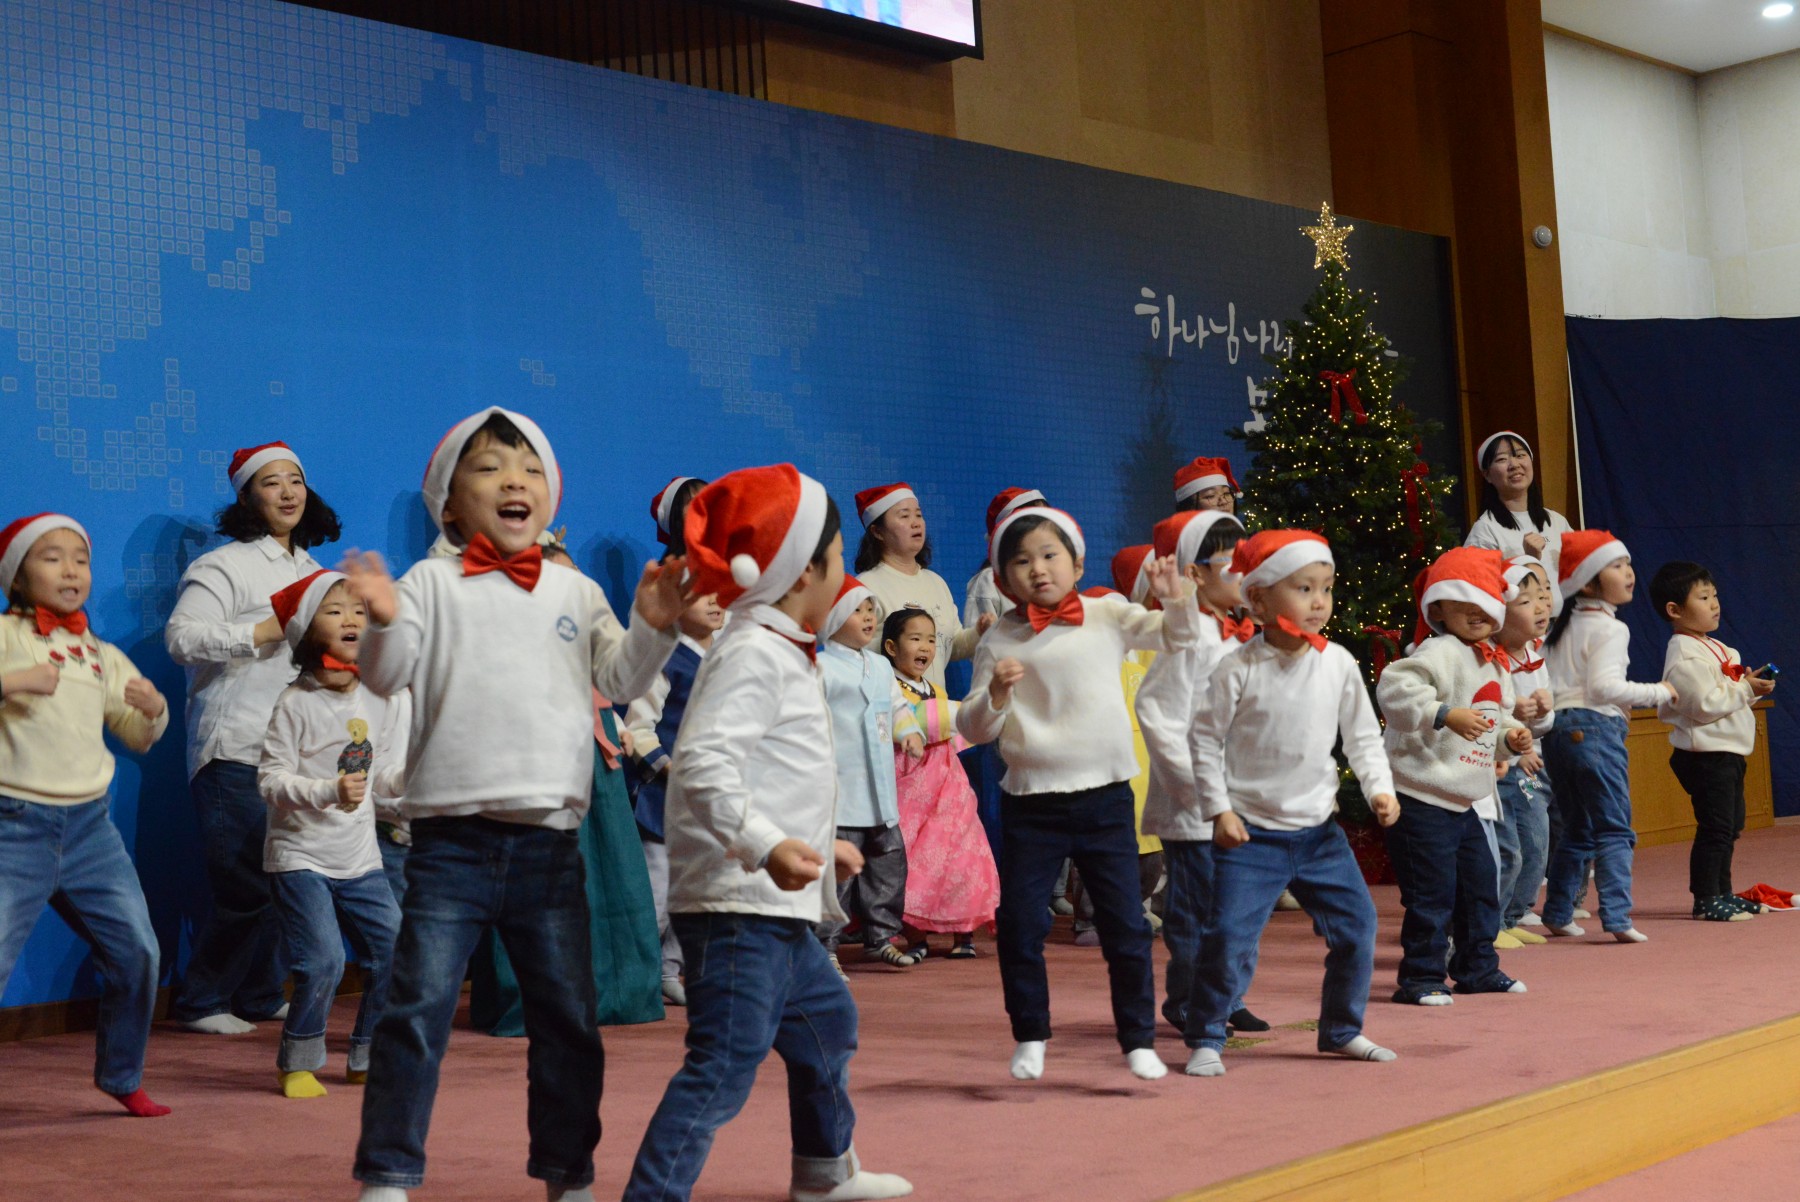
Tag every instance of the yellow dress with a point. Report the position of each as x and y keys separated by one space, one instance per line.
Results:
x=1131 y=675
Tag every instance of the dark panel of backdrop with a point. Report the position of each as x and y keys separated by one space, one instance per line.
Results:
x=227 y=221
x=1689 y=443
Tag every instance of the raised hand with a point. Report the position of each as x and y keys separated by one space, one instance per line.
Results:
x=1165 y=579
x=371 y=584
x=662 y=593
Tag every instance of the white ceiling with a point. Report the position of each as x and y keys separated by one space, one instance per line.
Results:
x=1701 y=35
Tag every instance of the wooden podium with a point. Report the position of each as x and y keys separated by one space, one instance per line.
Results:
x=1660 y=810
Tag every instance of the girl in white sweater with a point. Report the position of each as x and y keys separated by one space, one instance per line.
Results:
x=1513 y=519
x=1047 y=686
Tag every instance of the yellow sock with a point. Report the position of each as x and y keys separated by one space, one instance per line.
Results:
x=1525 y=936
x=357 y=1076
x=301 y=1085
x=1506 y=942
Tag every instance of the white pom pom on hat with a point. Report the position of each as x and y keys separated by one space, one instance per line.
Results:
x=745 y=571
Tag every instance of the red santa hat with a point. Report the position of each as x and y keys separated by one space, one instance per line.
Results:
x=1271 y=556
x=1203 y=473
x=1130 y=572
x=1517 y=569
x=871 y=503
x=1482 y=450
x=1007 y=500
x=1585 y=554
x=247 y=461
x=296 y=605
x=1471 y=574
x=1061 y=520
x=450 y=448
x=1182 y=534
x=19 y=537
x=662 y=506
x=751 y=533
x=849 y=600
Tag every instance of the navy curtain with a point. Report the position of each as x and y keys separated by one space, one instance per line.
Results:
x=1689 y=441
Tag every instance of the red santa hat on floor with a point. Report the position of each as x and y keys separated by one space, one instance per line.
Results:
x=1006 y=501
x=751 y=533
x=1482 y=450
x=1130 y=572
x=1471 y=574
x=1182 y=534
x=871 y=503
x=247 y=461
x=662 y=507
x=450 y=448
x=1204 y=473
x=1585 y=554
x=18 y=538
x=1271 y=556
x=849 y=600
x=1057 y=517
x=296 y=605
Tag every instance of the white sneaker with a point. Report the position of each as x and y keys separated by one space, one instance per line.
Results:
x=1531 y=920
x=674 y=993
x=1287 y=901
x=1581 y=913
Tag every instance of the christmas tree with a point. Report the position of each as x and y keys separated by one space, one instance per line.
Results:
x=1338 y=454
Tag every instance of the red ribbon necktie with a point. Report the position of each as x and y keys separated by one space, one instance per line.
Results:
x=1733 y=672
x=1412 y=480
x=1487 y=653
x=522 y=569
x=1380 y=640
x=1068 y=611
x=332 y=663
x=809 y=646
x=1343 y=393
x=1528 y=665
x=1287 y=626
x=47 y=622
x=1241 y=629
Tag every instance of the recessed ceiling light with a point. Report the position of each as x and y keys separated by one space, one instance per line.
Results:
x=1776 y=11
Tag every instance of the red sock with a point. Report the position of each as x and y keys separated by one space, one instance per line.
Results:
x=139 y=1104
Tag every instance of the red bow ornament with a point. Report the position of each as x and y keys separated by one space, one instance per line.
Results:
x=1241 y=629
x=48 y=623
x=1381 y=639
x=1343 y=393
x=1068 y=611
x=522 y=569
x=1287 y=625
x=1413 y=481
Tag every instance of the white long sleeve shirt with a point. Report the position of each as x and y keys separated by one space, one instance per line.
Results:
x=315 y=736
x=642 y=715
x=983 y=596
x=1430 y=761
x=232 y=683
x=1066 y=727
x=1510 y=540
x=1173 y=688
x=924 y=590
x=1711 y=711
x=755 y=766
x=1261 y=743
x=1588 y=664
x=502 y=687
x=1530 y=673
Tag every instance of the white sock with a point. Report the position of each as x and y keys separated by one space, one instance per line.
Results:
x=281 y=1014
x=1362 y=1048
x=219 y=1024
x=1028 y=1060
x=861 y=1186
x=1516 y=987
x=381 y=1193
x=1145 y=1063
x=558 y=1193
x=1205 y=1062
x=1631 y=935
x=1567 y=929
x=1437 y=999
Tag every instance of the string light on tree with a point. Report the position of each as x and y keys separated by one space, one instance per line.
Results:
x=1329 y=239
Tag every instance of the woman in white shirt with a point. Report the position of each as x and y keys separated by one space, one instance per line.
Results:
x=1513 y=519
x=894 y=563
x=223 y=631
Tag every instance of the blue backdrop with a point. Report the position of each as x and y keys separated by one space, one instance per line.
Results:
x=1688 y=446
x=227 y=221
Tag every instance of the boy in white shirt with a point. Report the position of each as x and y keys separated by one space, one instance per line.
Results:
x=1261 y=746
x=751 y=821
x=1711 y=728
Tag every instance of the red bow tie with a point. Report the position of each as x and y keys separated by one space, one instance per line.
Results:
x=332 y=663
x=1068 y=611
x=1487 y=653
x=1241 y=629
x=522 y=569
x=1528 y=665
x=47 y=622
x=809 y=646
x=1287 y=625
x=1734 y=671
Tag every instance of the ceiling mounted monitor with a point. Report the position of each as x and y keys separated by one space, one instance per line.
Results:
x=942 y=29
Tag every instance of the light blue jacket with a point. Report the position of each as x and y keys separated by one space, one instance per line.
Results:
x=868 y=716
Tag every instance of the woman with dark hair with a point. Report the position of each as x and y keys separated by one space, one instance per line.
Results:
x=894 y=563
x=1513 y=519
x=224 y=632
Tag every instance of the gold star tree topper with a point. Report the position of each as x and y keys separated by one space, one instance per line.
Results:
x=1328 y=239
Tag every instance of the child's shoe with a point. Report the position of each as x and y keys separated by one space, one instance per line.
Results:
x=1630 y=935
x=1242 y=1020
x=893 y=957
x=1719 y=909
x=674 y=992
x=963 y=949
x=1531 y=920
x=1087 y=938
x=1287 y=901
x=1569 y=928
x=1062 y=906
x=1498 y=983
x=1579 y=912
x=838 y=968
x=918 y=951
x=1424 y=997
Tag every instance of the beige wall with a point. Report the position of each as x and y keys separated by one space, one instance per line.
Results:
x=1223 y=94
x=1751 y=156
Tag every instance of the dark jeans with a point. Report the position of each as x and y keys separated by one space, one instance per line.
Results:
x=1448 y=884
x=393 y=865
x=755 y=984
x=1185 y=906
x=236 y=967
x=466 y=876
x=312 y=908
x=1714 y=781
x=1586 y=756
x=72 y=858
x=1097 y=829
x=877 y=894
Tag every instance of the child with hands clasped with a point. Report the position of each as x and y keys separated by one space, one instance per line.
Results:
x=1047 y=685
x=332 y=748
x=1447 y=706
x=502 y=651
x=1588 y=651
x=751 y=821
x=1711 y=729
x=1261 y=747
x=61 y=690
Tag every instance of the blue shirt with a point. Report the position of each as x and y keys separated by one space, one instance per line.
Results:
x=859 y=691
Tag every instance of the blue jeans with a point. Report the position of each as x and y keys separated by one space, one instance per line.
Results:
x=1524 y=842
x=1097 y=829
x=1586 y=756
x=236 y=966
x=393 y=865
x=1186 y=904
x=1318 y=865
x=311 y=907
x=72 y=858
x=466 y=876
x=755 y=983
x=1449 y=886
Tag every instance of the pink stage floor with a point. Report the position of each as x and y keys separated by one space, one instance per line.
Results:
x=931 y=1084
